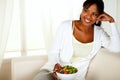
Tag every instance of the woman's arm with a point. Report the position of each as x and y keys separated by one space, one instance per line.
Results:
x=112 y=42
x=105 y=17
x=53 y=56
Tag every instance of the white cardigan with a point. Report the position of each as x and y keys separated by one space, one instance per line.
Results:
x=62 y=49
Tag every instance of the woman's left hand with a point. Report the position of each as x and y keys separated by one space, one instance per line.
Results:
x=105 y=17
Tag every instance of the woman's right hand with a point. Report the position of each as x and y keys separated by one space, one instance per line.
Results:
x=105 y=17
x=57 y=67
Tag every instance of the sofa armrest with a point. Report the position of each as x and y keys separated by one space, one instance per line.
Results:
x=104 y=66
x=25 y=68
x=5 y=71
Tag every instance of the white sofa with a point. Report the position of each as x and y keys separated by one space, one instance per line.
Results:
x=21 y=68
x=25 y=68
x=105 y=66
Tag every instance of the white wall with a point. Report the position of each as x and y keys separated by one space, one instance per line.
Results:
x=112 y=8
x=118 y=14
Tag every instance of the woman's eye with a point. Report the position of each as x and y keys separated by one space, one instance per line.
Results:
x=95 y=14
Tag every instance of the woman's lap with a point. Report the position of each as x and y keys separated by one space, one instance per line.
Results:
x=44 y=75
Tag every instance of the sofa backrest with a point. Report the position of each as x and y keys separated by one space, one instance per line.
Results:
x=25 y=68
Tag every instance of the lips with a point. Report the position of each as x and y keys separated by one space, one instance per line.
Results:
x=87 y=21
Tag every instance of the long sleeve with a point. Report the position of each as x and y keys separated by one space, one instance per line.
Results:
x=112 y=41
x=53 y=56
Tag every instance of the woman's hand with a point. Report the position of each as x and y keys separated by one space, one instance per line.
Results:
x=105 y=17
x=56 y=69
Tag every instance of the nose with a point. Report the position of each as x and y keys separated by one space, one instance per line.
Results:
x=89 y=16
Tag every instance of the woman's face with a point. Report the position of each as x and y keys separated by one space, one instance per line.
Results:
x=89 y=15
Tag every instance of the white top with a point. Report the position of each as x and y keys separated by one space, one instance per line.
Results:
x=80 y=50
x=62 y=49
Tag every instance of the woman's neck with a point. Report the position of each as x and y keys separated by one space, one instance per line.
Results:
x=83 y=33
x=82 y=27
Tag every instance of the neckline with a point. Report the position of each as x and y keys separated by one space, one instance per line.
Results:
x=73 y=27
x=74 y=39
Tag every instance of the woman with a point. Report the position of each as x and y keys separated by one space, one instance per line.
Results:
x=78 y=41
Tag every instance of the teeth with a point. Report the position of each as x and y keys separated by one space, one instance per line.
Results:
x=87 y=20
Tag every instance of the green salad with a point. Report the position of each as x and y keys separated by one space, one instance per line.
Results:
x=68 y=69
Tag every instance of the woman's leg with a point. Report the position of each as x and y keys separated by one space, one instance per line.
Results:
x=44 y=75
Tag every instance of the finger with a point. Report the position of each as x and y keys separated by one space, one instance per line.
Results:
x=101 y=16
x=57 y=67
x=102 y=19
x=55 y=75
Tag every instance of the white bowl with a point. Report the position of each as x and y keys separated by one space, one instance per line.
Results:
x=66 y=76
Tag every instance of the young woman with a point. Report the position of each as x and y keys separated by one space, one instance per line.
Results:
x=78 y=41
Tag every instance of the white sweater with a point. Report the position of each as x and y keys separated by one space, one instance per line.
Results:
x=62 y=49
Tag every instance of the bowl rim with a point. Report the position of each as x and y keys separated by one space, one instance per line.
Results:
x=66 y=74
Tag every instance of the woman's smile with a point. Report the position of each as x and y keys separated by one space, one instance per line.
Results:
x=87 y=20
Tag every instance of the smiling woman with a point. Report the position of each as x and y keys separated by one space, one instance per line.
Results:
x=27 y=27
x=74 y=36
x=40 y=23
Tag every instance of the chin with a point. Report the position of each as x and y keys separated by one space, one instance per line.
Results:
x=87 y=24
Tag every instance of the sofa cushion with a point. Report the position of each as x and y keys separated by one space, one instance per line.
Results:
x=104 y=66
x=25 y=68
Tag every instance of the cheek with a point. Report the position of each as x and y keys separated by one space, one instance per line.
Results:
x=82 y=15
x=94 y=19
